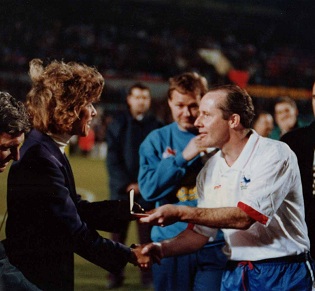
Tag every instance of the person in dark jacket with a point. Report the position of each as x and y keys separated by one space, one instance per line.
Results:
x=13 y=126
x=124 y=135
x=47 y=220
x=302 y=142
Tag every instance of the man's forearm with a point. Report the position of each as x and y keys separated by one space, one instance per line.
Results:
x=186 y=242
x=226 y=217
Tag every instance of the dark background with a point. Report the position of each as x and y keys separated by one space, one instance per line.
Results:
x=152 y=40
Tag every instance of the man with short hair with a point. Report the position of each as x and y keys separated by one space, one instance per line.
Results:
x=170 y=160
x=263 y=123
x=124 y=135
x=251 y=189
x=13 y=125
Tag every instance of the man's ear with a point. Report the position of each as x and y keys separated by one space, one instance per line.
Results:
x=234 y=120
x=169 y=101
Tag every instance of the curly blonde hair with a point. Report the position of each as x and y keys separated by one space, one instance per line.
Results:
x=59 y=92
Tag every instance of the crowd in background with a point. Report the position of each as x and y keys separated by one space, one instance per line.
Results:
x=163 y=40
x=152 y=41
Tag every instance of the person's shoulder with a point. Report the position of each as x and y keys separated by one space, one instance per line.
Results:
x=118 y=122
x=120 y=117
x=267 y=142
x=297 y=138
x=158 y=134
x=150 y=116
x=275 y=133
x=301 y=123
x=164 y=128
x=303 y=131
x=39 y=154
x=152 y=122
x=293 y=137
x=274 y=149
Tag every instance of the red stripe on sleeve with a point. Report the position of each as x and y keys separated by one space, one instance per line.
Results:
x=190 y=226
x=253 y=213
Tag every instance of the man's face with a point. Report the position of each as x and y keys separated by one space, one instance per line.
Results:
x=9 y=148
x=139 y=101
x=213 y=129
x=285 y=116
x=185 y=109
x=264 y=124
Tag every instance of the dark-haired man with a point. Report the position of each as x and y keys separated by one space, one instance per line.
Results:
x=170 y=160
x=251 y=189
x=124 y=136
x=13 y=125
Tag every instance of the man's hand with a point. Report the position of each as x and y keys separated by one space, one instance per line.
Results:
x=192 y=149
x=164 y=215
x=154 y=250
x=142 y=260
x=133 y=186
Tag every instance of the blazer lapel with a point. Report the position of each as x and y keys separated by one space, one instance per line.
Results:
x=69 y=175
x=56 y=154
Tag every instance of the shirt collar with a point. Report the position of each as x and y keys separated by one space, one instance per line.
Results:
x=62 y=140
x=247 y=152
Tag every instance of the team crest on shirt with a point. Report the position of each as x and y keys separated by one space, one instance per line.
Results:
x=244 y=182
x=168 y=153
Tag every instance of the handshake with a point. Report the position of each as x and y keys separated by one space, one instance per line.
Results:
x=144 y=256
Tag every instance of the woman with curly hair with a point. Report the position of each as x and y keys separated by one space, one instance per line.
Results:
x=47 y=220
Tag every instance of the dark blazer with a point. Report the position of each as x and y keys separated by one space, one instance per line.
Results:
x=48 y=221
x=124 y=136
x=302 y=142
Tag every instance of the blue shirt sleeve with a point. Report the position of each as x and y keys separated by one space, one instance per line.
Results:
x=158 y=176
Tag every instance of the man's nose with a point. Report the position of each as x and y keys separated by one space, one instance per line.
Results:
x=197 y=122
x=187 y=111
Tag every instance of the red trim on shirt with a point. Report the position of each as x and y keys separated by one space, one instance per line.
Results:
x=253 y=213
x=190 y=226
